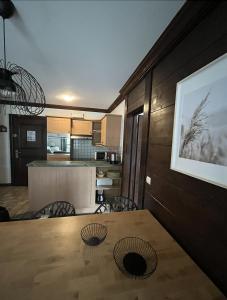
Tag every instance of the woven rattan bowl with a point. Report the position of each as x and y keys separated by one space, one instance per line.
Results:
x=135 y=257
x=93 y=234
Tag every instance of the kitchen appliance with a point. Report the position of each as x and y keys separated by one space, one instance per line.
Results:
x=100 y=155
x=99 y=196
x=113 y=158
x=104 y=181
x=108 y=156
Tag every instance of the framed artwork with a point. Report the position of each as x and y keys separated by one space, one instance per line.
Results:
x=199 y=146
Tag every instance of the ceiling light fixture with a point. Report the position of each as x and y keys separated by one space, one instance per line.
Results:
x=18 y=88
x=68 y=97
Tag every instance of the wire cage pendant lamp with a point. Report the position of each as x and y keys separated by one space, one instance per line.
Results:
x=18 y=88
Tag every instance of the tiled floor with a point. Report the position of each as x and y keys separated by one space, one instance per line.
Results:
x=15 y=199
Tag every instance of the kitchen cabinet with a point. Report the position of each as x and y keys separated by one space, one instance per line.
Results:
x=111 y=130
x=96 y=132
x=58 y=125
x=81 y=127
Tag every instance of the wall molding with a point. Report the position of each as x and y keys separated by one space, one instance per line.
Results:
x=118 y=101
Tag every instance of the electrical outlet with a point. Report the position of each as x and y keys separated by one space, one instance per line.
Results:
x=148 y=180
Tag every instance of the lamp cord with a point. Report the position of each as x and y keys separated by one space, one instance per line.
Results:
x=4 y=43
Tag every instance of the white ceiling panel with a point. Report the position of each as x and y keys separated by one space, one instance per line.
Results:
x=85 y=49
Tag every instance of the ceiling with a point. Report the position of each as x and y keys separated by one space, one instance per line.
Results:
x=85 y=49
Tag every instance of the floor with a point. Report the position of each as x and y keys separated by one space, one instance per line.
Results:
x=15 y=199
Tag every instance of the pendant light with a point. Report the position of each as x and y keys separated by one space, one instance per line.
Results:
x=18 y=88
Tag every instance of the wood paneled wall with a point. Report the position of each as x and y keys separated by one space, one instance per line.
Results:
x=136 y=97
x=194 y=211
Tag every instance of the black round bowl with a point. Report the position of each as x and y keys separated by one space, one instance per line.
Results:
x=93 y=234
x=135 y=257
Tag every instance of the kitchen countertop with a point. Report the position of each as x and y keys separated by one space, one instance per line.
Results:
x=46 y=259
x=71 y=163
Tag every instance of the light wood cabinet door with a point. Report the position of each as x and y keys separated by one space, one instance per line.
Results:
x=81 y=127
x=111 y=131
x=103 y=131
x=58 y=125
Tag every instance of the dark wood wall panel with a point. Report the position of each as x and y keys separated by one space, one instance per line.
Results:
x=162 y=126
x=136 y=97
x=166 y=90
x=194 y=211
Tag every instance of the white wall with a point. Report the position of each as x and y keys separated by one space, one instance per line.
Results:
x=5 y=166
x=120 y=110
x=5 y=169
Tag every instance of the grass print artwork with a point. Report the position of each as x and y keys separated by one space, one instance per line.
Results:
x=204 y=124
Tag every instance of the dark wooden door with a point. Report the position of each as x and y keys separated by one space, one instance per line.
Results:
x=28 y=142
x=132 y=159
x=135 y=160
x=136 y=196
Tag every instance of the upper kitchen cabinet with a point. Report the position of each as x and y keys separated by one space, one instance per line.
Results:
x=58 y=125
x=111 y=131
x=96 y=132
x=81 y=127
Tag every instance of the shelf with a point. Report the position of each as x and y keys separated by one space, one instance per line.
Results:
x=107 y=187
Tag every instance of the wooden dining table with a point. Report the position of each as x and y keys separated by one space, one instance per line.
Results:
x=47 y=259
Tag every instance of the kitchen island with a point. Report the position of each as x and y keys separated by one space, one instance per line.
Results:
x=72 y=181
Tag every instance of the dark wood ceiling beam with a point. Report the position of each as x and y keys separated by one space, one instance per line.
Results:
x=80 y=108
x=56 y=106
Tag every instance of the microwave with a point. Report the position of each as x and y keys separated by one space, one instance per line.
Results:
x=100 y=155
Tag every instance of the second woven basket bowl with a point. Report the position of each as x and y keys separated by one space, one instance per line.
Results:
x=135 y=257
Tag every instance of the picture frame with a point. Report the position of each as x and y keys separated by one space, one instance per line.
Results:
x=199 y=145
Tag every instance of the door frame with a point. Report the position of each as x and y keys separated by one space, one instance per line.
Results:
x=127 y=147
x=145 y=134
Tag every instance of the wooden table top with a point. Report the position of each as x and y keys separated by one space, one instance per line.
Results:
x=46 y=259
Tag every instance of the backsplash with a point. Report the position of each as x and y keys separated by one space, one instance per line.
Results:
x=82 y=149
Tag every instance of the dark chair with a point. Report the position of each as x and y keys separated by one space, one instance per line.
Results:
x=116 y=204
x=4 y=214
x=101 y=208
x=56 y=209
x=122 y=204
